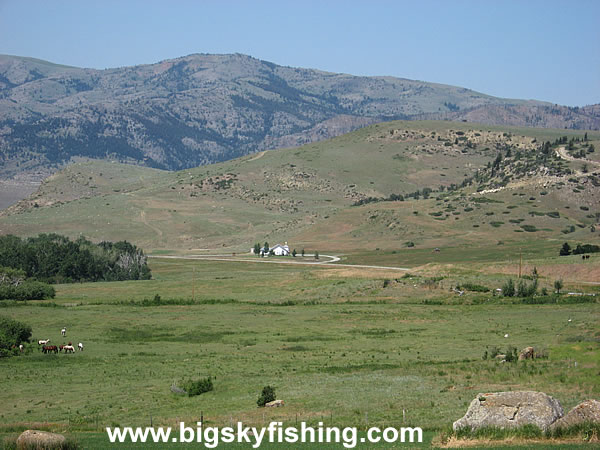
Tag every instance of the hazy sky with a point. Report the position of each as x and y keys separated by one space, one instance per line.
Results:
x=545 y=50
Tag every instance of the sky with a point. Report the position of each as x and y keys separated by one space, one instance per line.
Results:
x=545 y=50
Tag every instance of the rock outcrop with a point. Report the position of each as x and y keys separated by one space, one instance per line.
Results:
x=585 y=412
x=511 y=410
x=39 y=439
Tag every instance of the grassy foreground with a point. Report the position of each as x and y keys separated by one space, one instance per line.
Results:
x=338 y=346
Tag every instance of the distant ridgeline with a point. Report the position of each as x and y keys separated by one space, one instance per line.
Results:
x=52 y=258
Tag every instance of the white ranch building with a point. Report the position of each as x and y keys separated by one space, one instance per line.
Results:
x=280 y=250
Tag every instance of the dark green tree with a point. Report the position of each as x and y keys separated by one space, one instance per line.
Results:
x=508 y=289
x=558 y=285
x=12 y=334
x=565 y=250
x=267 y=395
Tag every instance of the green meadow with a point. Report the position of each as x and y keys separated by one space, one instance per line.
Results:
x=346 y=347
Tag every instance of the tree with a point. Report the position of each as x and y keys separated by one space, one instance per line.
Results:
x=302 y=253
x=294 y=253
x=591 y=148
x=266 y=248
x=508 y=290
x=565 y=250
x=316 y=255
x=12 y=334
x=558 y=285
x=267 y=395
x=257 y=249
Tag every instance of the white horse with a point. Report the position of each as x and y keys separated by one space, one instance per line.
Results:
x=43 y=341
x=80 y=347
x=69 y=349
x=63 y=331
x=21 y=348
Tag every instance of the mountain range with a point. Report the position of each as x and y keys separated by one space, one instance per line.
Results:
x=204 y=108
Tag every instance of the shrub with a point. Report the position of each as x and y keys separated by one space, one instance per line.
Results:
x=197 y=387
x=28 y=290
x=12 y=334
x=529 y=228
x=511 y=354
x=473 y=287
x=267 y=395
x=527 y=290
x=565 y=250
x=508 y=289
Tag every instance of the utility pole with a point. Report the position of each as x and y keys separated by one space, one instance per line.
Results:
x=194 y=283
x=520 y=260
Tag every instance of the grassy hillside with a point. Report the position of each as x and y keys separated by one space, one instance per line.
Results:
x=329 y=196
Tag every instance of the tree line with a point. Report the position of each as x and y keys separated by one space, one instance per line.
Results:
x=52 y=258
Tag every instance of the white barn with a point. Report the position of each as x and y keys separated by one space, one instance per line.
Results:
x=280 y=250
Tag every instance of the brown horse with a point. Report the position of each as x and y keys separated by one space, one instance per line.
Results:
x=49 y=349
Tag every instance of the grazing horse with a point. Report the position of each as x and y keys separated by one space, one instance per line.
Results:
x=80 y=347
x=69 y=348
x=43 y=341
x=49 y=349
x=63 y=332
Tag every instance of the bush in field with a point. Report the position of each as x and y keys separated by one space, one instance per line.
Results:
x=14 y=285
x=527 y=290
x=558 y=285
x=28 y=290
x=473 y=287
x=12 y=334
x=512 y=354
x=508 y=289
x=267 y=395
x=197 y=387
x=565 y=250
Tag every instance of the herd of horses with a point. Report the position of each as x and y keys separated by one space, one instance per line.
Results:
x=68 y=348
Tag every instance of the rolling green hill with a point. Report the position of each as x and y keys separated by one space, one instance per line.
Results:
x=477 y=186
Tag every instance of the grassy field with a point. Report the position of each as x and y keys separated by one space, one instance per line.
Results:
x=337 y=345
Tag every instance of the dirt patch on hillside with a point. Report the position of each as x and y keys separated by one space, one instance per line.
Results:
x=588 y=271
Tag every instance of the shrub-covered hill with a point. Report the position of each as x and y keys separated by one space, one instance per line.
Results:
x=432 y=184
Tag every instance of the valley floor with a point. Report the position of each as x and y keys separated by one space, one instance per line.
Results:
x=347 y=346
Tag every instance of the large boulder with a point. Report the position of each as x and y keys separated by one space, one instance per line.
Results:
x=39 y=440
x=511 y=410
x=585 y=412
x=527 y=353
x=275 y=404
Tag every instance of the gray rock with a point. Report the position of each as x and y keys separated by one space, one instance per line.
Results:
x=511 y=410
x=585 y=412
x=39 y=439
